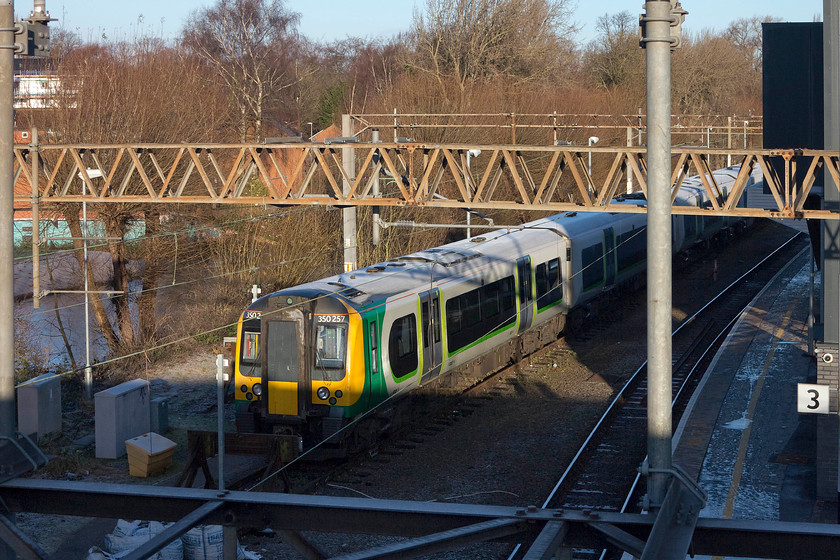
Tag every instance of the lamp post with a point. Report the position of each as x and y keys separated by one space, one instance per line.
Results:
x=470 y=154
x=592 y=140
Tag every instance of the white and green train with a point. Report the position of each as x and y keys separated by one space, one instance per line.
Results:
x=313 y=358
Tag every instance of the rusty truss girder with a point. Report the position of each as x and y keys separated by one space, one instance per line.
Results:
x=547 y=178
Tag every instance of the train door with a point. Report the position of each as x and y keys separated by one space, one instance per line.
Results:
x=526 y=298
x=432 y=340
x=609 y=257
x=285 y=370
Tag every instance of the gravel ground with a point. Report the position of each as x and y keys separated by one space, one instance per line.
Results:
x=510 y=450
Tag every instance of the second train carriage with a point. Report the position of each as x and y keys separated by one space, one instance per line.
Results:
x=313 y=357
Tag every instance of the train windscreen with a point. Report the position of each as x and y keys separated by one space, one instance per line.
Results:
x=249 y=351
x=330 y=351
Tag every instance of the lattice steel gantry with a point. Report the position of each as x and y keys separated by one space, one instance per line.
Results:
x=548 y=178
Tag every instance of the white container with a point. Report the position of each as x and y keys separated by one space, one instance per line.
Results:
x=39 y=405
x=122 y=412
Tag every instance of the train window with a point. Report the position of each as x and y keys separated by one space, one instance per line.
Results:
x=475 y=314
x=432 y=324
x=549 y=289
x=374 y=348
x=330 y=349
x=472 y=309
x=592 y=266
x=631 y=247
x=542 y=280
x=453 y=316
x=424 y=319
x=508 y=293
x=436 y=318
x=524 y=269
x=250 y=346
x=554 y=273
x=490 y=304
x=402 y=346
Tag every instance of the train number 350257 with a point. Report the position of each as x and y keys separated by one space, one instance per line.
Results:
x=332 y=318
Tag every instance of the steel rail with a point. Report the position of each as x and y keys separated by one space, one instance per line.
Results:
x=616 y=401
x=631 y=382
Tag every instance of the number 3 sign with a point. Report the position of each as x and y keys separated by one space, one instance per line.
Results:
x=812 y=398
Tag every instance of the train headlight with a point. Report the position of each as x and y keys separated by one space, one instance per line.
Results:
x=323 y=393
x=257 y=389
x=339 y=393
x=244 y=388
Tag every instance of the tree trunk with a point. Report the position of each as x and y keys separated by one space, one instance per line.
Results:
x=71 y=216
x=115 y=228
x=151 y=274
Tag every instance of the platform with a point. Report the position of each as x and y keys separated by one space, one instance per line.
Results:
x=742 y=438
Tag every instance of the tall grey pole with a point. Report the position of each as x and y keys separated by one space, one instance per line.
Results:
x=7 y=341
x=658 y=56
x=85 y=258
x=36 y=222
x=220 y=416
x=7 y=243
x=348 y=158
x=229 y=542
x=629 y=172
x=376 y=210
x=729 y=141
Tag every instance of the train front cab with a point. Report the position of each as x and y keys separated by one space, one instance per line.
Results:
x=302 y=356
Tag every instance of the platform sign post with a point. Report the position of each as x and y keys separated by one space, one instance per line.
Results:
x=812 y=399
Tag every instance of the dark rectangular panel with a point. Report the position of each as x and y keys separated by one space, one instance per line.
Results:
x=793 y=89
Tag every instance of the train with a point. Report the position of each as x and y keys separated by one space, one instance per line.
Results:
x=314 y=359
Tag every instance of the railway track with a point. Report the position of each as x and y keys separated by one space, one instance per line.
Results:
x=617 y=445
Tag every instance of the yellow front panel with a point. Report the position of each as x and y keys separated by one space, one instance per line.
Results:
x=353 y=383
x=355 y=361
x=284 y=398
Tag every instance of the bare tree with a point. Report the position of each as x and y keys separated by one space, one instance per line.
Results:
x=352 y=75
x=254 y=47
x=124 y=93
x=745 y=35
x=464 y=41
x=709 y=75
x=614 y=58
